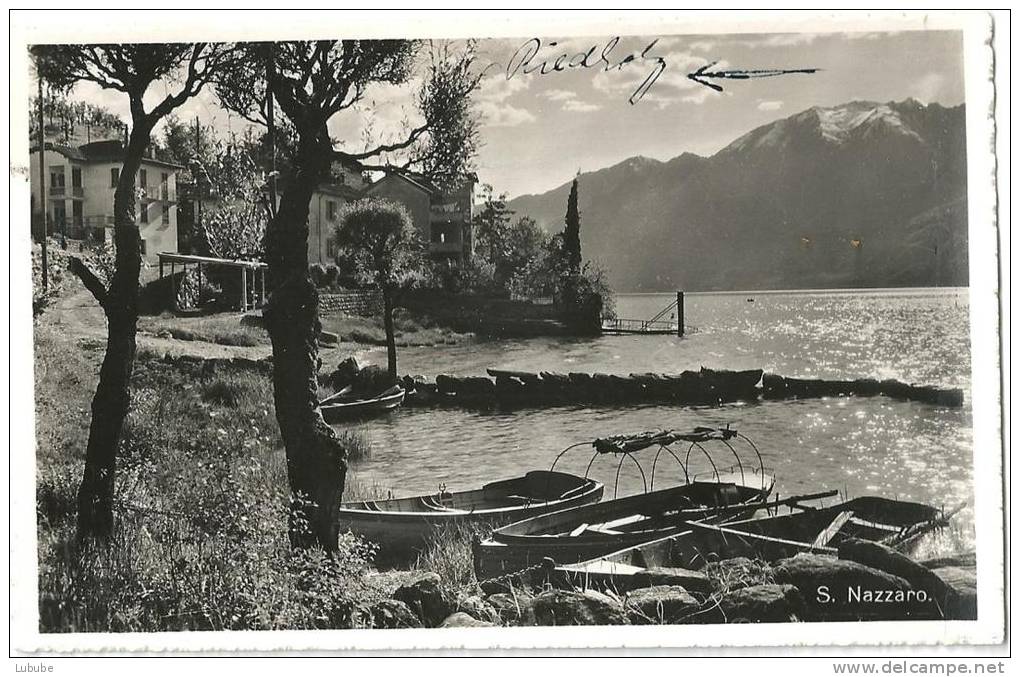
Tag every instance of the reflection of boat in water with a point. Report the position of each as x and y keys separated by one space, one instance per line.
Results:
x=577 y=534
x=767 y=537
x=402 y=526
x=344 y=406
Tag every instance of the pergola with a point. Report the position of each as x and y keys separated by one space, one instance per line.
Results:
x=253 y=275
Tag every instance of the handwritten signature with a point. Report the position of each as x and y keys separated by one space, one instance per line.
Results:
x=525 y=60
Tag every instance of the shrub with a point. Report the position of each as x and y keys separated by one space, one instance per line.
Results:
x=317 y=273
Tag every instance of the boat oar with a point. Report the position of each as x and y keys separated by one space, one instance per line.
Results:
x=336 y=396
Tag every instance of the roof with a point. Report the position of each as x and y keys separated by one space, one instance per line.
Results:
x=112 y=150
x=422 y=182
x=67 y=151
x=109 y=150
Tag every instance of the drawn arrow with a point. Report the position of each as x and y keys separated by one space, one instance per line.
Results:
x=702 y=74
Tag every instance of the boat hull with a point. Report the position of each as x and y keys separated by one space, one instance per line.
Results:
x=559 y=536
x=767 y=538
x=373 y=406
x=402 y=529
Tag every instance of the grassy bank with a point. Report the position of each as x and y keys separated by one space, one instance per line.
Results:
x=201 y=538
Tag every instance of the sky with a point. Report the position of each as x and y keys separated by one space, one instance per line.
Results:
x=541 y=125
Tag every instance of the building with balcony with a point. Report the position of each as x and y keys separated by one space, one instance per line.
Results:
x=443 y=217
x=80 y=185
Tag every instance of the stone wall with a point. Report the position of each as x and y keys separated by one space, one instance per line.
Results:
x=363 y=302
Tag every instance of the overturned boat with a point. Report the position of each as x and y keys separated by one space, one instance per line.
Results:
x=402 y=527
x=576 y=534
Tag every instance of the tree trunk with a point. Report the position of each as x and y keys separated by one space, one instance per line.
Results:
x=316 y=459
x=111 y=401
x=391 y=339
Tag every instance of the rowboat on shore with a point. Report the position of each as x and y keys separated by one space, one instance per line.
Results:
x=581 y=533
x=767 y=537
x=402 y=527
x=342 y=406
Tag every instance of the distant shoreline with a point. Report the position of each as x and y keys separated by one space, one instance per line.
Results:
x=835 y=290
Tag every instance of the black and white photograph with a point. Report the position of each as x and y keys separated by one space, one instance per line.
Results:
x=347 y=331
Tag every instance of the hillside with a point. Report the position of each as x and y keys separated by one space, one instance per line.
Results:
x=859 y=195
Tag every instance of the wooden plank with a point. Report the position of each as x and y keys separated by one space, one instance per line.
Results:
x=830 y=531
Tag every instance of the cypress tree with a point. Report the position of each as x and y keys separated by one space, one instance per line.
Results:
x=572 y=233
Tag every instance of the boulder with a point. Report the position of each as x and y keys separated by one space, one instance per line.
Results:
x=883 y=557
x=328 y=338
x=566 y=607
x=427 y=598
x=345 y=373
x=463 y=620
x=478 y=608
x=963 y=581
x=389 y=614
x=513 y=608
x=371 y=380
x=843 y=589
x=660 y=604
x=446 y=385
x=694 y=581
x=765 y=603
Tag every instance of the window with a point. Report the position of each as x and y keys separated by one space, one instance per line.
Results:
x=114 y=176
x=143 y=179
x=166 y=214
x=330 y=210
x=76 y=177
x=142 y=246
x=164 y=187
x=57 y=180
x=143 y=209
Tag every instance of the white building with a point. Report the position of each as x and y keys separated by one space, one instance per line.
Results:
x=80 y=185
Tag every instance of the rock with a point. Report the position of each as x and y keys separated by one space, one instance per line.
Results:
x=660 y=604
x=463 y=620
x=478 y=608
x=513 y=608
x=345 y=373
x=843 y=589
x=883 y=557
x=371 y=380
x=766 y=603
x=563 y=607
x=694 y=581
x=963 y=581
x=389 y=614
x=427 y=598
x=446 y=385
x=736 y=572
x=328 y=338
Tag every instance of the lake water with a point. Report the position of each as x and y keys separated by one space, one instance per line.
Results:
x=857 y=445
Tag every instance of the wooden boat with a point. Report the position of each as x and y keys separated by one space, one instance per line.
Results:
x=343 y=406
x=401 y=527
x=766 y=537
x=577 y=534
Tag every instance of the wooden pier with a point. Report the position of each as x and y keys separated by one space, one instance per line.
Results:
x=654 y=325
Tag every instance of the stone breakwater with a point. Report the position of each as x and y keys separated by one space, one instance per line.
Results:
x=706 y=387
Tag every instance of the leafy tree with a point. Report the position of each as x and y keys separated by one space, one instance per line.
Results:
x=64 y=118
x=130 y=69
x=312 y=81
x=380 y=237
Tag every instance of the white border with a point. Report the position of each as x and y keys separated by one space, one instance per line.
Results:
x=164 y=26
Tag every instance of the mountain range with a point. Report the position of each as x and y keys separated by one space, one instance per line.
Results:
x=862 y=194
